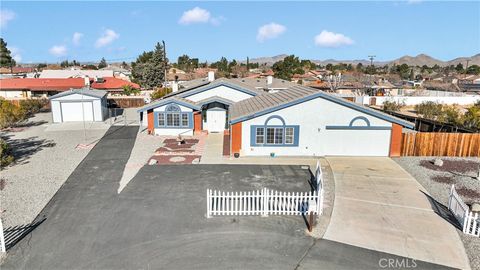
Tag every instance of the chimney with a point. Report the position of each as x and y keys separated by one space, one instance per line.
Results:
x=269 y=80
x=211 y=76
x=174 y=86
x=87 y=81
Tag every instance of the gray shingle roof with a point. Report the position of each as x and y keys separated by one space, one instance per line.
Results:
x=83 y=91
x=207 y=85
x=262 y=83
x=266 y=103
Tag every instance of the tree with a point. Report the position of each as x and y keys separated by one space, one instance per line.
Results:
x=6 y=59
x=286 y=68
x=459 y=68
x=103 y=63
x=359 y=67
x=129 y=90
x=473 y=69
x=64 y=64
x=160 y=92
x=149 y=68
x=471 y=118
x=430 y=110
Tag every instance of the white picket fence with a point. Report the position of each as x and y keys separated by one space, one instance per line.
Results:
x=2 y=238
x=266 y=202
x=470 y=222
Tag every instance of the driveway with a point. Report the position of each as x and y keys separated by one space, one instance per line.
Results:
x=158 y=221
x=379 y=206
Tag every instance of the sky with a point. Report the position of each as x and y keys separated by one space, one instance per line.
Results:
x=120 y=31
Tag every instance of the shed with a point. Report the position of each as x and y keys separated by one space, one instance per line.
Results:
x=79 y=105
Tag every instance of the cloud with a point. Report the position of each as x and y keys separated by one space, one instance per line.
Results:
x=332 y=40
x=107 y=37
x=58 y=50
x=76 y=38
x=413 y=2
x=269 y=31
x=6 y=16
x=15 y=53
x=199 y=15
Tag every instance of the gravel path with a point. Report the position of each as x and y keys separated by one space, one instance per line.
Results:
x=437 y=181
x=46 y=156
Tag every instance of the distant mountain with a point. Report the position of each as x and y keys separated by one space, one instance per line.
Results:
x=419 y=60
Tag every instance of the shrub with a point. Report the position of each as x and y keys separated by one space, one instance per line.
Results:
x=430 y=110
x=32 y=106
x=6 y=157
x=393 y=106
x=10 y=114
x=129 y=90
x=160 y=92
x=471 y=118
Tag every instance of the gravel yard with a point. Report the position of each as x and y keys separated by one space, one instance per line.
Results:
x=438 y=180
x=46 y=154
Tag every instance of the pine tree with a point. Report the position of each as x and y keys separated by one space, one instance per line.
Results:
x=6 y=59
x=103 y=63
x=149 y=68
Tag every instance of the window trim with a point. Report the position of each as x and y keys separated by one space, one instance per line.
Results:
x=295 y=135
x=174 y=115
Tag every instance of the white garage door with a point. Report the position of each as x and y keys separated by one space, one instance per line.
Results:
x=74 y=111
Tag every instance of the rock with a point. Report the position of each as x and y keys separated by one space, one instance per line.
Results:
x=152 y=162
x=438 y=162
x=476 y=207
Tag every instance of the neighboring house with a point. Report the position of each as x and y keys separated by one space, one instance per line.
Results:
x=36 y=87
x=203 y=107
x=79 y=105
x=111 y=84
x=298 y=121
x=119 y=72
x=268 y=84
x=75 y=73
x=17 y=72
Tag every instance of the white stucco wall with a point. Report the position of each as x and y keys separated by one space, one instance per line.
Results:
x=220 y=91
x=411 y=101
x=315 y=139
x=11 y=94
x=173 y=131
x=56 y=114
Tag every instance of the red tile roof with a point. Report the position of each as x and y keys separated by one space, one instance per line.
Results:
x=112 y=83
x=37 y=84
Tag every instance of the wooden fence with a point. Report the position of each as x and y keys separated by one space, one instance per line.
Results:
x=441 y=144
x=469 y=221
x=126 y=102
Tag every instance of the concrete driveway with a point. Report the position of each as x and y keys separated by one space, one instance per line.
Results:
x=379 y=206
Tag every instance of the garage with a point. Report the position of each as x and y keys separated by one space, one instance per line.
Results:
x=79 y=105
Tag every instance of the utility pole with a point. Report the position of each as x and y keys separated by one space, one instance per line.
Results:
x=371 y=57
x=466 y=68
x=165 y=63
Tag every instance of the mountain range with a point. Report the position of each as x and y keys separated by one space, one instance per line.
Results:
x=419 y=60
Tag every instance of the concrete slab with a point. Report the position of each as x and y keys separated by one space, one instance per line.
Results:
x=213 y=151
x=381 y=207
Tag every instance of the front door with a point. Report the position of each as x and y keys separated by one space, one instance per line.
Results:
x=216 y=119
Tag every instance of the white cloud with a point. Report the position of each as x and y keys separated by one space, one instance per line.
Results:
x=6 y=16
x=107 y=37
x=58 y=50
x=332 y=40
x=15 y=53
x=199 y=15
x=76 y=38
x=269 y=31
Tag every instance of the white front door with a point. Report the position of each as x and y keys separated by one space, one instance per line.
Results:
x=77 y=111
x=216 y=120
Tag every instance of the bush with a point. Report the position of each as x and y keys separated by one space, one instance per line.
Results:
x=160 y=92
x=129 y=90
x=430 y=110
x=393 y=106
x=471 y=119
x=5 y=154
x=10 y=114
x=32 y=106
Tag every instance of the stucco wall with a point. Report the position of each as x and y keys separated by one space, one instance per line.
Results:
x=99 y=107
x=220 y=91
x=410 y=101
x=315 y=139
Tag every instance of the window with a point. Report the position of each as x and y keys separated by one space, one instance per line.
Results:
x=259 y=136
x=161 y=119
x=278 y=136
x=176 y=120
x=289 y=135
x=270 y=135
x=184 y=119
x=169 y=119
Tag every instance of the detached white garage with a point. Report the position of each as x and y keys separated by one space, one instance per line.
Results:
x=79 y=105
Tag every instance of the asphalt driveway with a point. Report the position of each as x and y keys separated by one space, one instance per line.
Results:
x=158 y=221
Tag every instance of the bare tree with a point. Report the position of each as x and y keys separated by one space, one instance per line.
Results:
x=334 y=81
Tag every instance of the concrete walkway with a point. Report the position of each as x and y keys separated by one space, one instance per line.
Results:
x=213 y=152
x=379 y=206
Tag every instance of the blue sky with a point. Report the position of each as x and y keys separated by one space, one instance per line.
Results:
x=87 y=31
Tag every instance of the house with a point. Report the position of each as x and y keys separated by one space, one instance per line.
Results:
x=36 y=87
x=79 y=105
x=298 y=121
x=74 y=73
x=201 y=107
x=268 y=84
x=111 y=84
